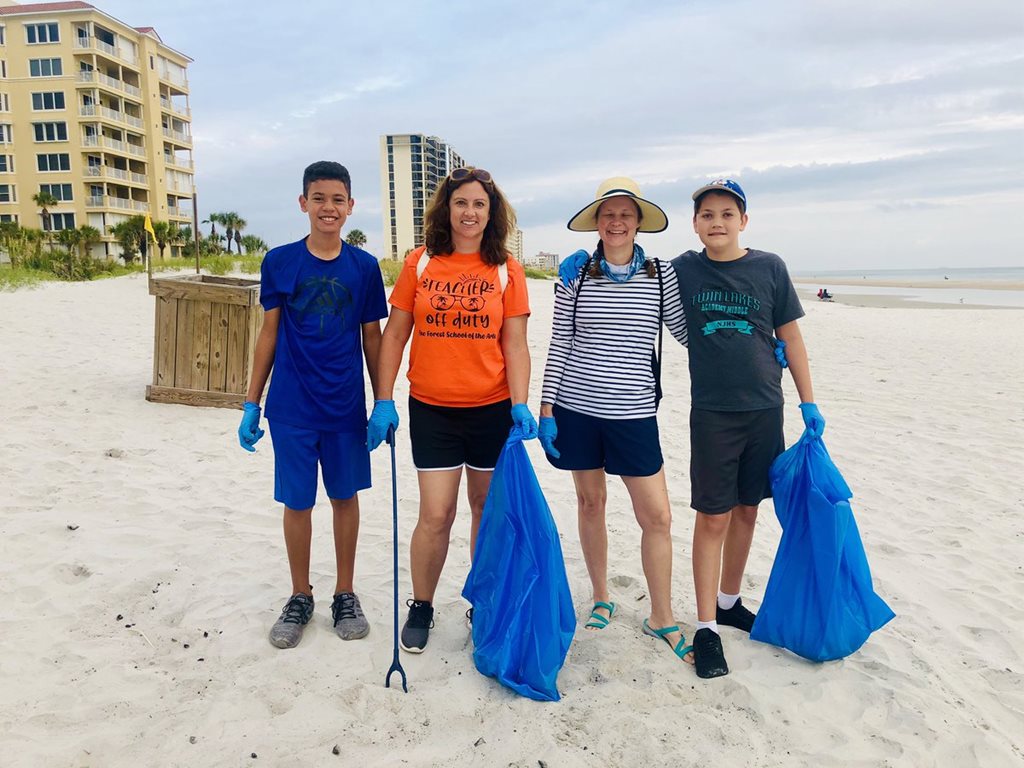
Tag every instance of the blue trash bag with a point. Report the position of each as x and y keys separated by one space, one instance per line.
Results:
x=819 y=602
x=523 y=616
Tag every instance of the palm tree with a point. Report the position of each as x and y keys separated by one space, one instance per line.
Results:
x=234 y=224
x=129 y=234
x=254 y=244
x=213 y=220
x=162 y=234
x=356 y=238
x=45 y=201
x=70 y=238
x=88 y=237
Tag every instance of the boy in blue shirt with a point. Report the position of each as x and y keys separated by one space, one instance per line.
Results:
x=737 y=301
x=323 y=300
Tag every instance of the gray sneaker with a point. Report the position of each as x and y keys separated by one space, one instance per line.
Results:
x=287 y=630
x=349 y=621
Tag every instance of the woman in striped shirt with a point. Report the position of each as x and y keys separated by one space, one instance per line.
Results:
x=601 y=391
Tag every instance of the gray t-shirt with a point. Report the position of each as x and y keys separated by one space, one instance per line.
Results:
x=732 y=310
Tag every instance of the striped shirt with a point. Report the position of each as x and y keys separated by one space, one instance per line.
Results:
x=605 y=369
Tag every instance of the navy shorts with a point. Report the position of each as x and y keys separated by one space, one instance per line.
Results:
x=627 y=447
x=343 y=458
x=444 y=437
x=730 y=453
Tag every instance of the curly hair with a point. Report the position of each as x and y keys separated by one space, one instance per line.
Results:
x=437 y=221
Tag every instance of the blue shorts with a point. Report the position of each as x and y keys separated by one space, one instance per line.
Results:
x=342 y=456
x=627 y=447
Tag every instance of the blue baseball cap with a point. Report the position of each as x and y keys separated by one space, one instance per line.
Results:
x=723 y=185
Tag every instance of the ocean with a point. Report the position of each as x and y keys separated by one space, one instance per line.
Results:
x=1002 y=274
x=848 y=281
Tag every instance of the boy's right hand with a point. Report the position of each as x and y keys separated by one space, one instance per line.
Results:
x=383 y=417
x=249 y=432
x=547 y=433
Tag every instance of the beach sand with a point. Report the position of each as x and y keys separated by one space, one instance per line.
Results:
x=142 y=564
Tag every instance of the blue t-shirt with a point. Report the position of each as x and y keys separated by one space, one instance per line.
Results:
x=732 y=310
x=317 y=380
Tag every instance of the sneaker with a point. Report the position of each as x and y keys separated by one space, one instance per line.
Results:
x=349 y=621
x=287 y=630
x=737 y=616
x=708 y=656
x=417 y=626
x=469 y=619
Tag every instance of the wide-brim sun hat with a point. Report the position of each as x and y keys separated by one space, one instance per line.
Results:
x=653 y=219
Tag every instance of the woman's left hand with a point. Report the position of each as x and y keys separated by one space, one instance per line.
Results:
x=524 y=420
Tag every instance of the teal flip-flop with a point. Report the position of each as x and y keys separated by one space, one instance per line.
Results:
x=598 y=620
x=680 y=649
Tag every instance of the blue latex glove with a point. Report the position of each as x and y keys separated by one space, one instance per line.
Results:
x=548 y=432
x=569 y=268
x=383 y=417
x=813 y=420
x=249 y=432
x=524 y=421
x=780 y=353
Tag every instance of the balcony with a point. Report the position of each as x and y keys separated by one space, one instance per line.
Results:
x=93 y=76
x=180 y=136
x=178 y=162
x=180 y=188
x=93 y=110
x=95 y=44
x=170 y=106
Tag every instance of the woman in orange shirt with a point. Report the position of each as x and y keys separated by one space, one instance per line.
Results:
x=463 y=300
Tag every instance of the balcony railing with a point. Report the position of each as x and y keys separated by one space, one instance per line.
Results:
x=170 y=106
x=94 y=202
x=173 y=77
x=99 y=45
x=135 y=149
x=92 y=76
x=181 y=136
x=139 y=178
x=178 y=162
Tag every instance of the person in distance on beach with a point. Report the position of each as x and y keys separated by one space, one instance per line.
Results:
x=323 y=301
x=602 y=386
x=743 y=309
x=464 y=302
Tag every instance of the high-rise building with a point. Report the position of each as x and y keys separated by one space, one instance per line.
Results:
x=514 y=244
x=94 y=112
x=411 y=167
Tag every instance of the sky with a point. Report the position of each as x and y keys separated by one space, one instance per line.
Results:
x=867 y=135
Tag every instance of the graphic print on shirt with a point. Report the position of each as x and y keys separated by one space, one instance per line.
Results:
x=458 y=306
x=321 y=303
x=737 y=305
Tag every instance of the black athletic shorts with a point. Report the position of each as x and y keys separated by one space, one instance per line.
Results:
x=730 y=453
x=450 y=438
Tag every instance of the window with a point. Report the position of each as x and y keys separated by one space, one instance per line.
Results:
x=50 y=131
x=3 y=35
x=12 y=217
x=45 y=68
x=43 y=33
x=48 y=100
x=61 y=191
x=6 y=163
x=6 y=137
x=54 y=162
x=3 y=68
x=59 y=221
x=7 y=193
x=5 y=102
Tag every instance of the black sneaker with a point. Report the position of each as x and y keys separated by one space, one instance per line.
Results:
x=737 y=616
x=708 y=656
x=287 y=630
x=417 y=626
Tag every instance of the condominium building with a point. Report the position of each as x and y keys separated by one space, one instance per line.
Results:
x=411 y=167
x=514 y=244
x=95 y=112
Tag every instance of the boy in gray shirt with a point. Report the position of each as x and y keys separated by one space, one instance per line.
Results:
x=738 y=301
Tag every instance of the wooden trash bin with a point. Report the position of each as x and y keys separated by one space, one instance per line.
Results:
x=205 y=337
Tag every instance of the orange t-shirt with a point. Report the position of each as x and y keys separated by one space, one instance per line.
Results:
x=458 y=309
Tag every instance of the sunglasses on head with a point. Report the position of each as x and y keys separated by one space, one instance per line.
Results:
x=462 y=174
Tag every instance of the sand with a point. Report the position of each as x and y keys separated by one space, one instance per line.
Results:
x=142 y=563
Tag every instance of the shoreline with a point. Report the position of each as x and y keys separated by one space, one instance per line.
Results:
x=984 y=285
x=807 y=296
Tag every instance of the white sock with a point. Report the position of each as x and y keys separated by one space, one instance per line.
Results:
x=725 y=602
x=712 y=625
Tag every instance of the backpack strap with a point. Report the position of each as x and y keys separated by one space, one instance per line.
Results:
x=656 y=359
x=421 y=267
x=579 y=288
